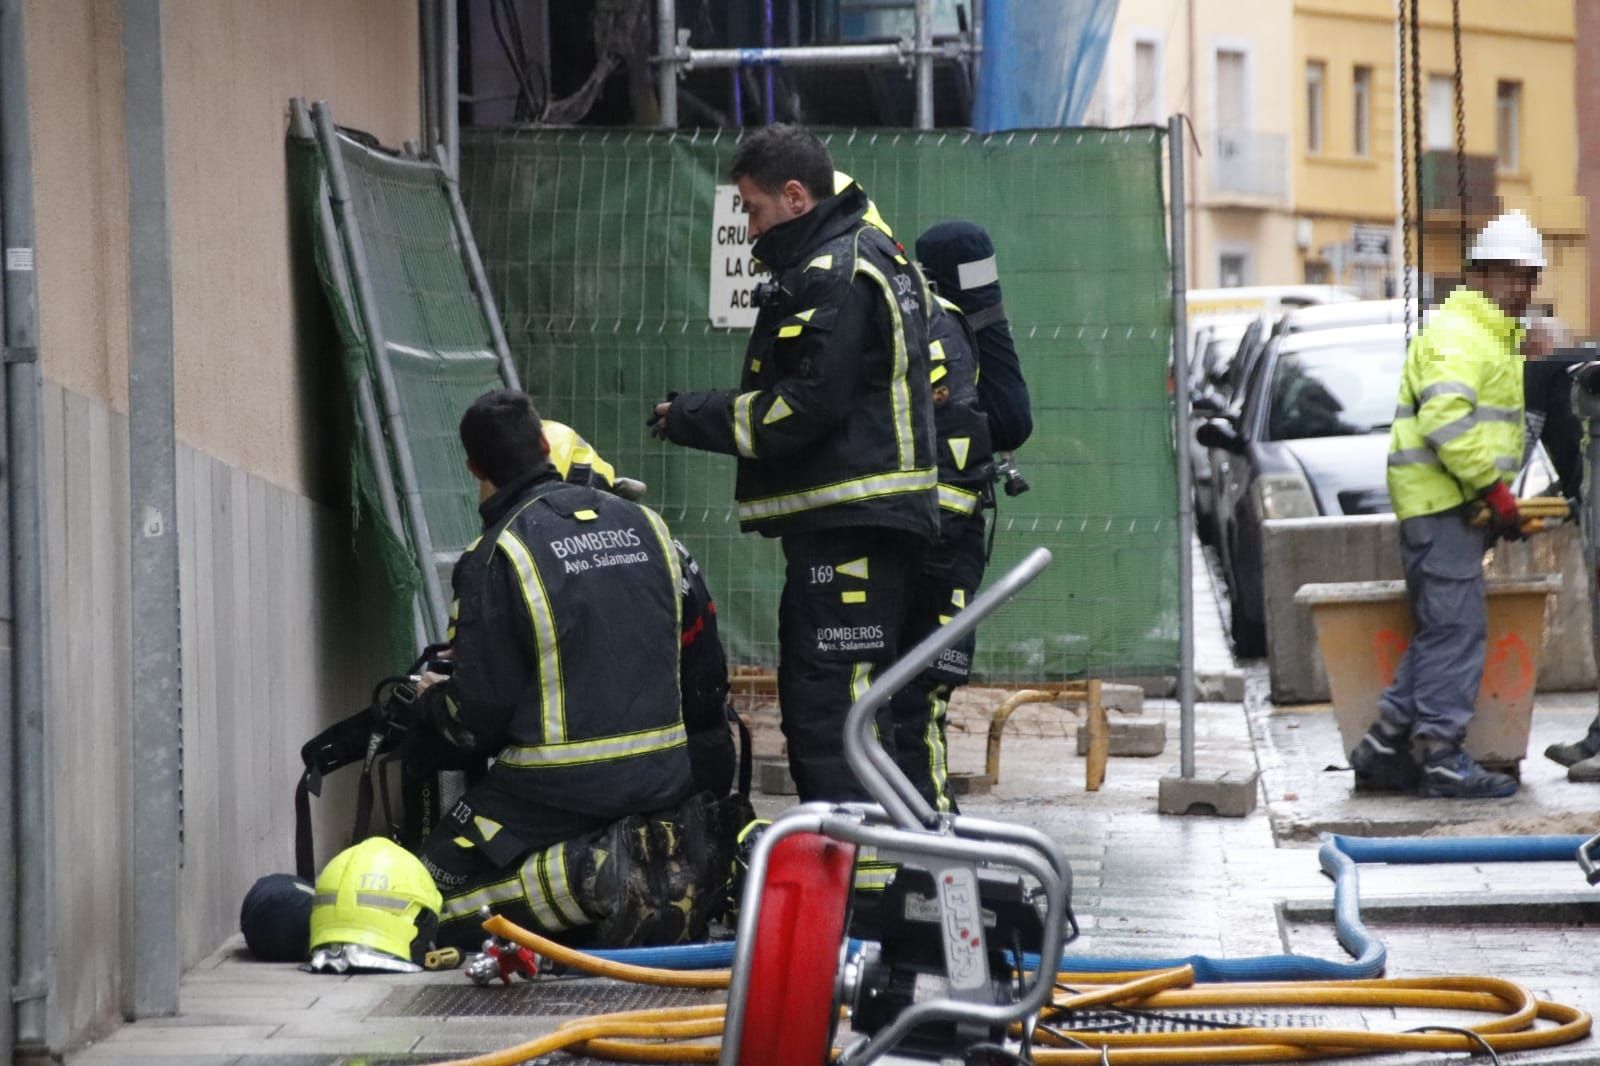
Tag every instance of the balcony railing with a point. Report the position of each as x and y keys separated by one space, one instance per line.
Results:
x=1250 y=164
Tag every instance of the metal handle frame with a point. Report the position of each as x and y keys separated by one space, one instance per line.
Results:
x=913 y=829
x=873 y=766
x=1587 y=855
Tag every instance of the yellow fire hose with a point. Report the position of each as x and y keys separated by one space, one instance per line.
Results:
x=654 y=1036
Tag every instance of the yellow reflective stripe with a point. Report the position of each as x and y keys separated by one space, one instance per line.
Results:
x=1414 y=457
x=556 y=889
x=779 y=410
x=597 y=750
x=658 y=526
x=856 y=567
x=949 y=305
x=547 y=648
x=755 y=366
x=960 y=448
x=585 y=515
x=899 y=388
x=958 y=597
x=860 y=681
x=938 y=762
x=938 y=372
x=536 y=892
x=853 y=596
x=488 y=896
x=743 y=436
x=789 y=331
x=861 y=488
x=821 y=262
x=805 y=316
x=958 y=500
x=936 y=351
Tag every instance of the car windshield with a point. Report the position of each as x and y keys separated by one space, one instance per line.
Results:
x=1335 y=391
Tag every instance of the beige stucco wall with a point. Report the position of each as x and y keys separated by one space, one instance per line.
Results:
x=232 y=66
x=1263 y=30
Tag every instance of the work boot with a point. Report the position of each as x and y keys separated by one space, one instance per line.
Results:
x=1453 y=774
x=1571 y=754
x=1383 y=765
x=1585 y=771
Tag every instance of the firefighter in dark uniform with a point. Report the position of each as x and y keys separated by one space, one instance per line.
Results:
x=953 y=568
x=833 y=427
x=564 y=647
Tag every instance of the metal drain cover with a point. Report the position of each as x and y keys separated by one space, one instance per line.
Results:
x=563 y=999
x=1187 y=1021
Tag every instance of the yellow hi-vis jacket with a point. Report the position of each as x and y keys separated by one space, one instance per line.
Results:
x=1458 y=424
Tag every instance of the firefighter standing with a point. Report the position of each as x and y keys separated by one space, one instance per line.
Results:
x=1457 y=439
x=833 y=427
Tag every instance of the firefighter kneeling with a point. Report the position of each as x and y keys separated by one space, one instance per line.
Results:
x=564 y=669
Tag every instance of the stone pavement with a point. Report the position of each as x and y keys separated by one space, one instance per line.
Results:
x=1146 y=885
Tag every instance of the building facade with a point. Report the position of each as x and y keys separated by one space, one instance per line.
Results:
x=1517 y=94
x=1222 y=64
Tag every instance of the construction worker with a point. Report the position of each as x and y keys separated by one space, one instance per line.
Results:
x=1455 y=446
x=564 y=668
x=833 y=427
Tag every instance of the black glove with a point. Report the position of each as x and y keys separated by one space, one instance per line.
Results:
x=657 y=424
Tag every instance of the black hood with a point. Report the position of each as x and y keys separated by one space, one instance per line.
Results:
x=943 y=248
x=786 y=244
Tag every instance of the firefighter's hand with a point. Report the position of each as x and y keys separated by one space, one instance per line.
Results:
x=658 y=417
x=428 y=680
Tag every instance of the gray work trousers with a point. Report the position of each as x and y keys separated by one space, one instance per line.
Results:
x=1436 y=685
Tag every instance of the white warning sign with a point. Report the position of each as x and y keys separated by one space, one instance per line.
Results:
x=734 y=274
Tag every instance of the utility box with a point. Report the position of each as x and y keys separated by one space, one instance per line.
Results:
x=1364 y=627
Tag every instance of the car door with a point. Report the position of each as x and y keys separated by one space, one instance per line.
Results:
x=1233 y=473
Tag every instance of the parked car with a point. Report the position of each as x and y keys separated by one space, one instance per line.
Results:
x=1222 y=396
x=1309 y=436
x=1212 y=343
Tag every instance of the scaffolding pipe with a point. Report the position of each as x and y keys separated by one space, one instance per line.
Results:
x=394 y=420
x=924 y=47
x=428 y=21
x=449 y=85
x=475 y=271
x=1180 y=393
x=667 y=62
x=769 y=111
x=366 y=404
x=844 y=55
x=26 y=947
x=153 y=525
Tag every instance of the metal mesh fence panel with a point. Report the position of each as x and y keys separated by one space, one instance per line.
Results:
x=597 y=248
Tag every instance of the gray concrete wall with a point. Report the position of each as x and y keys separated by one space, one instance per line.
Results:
x=274 y=641
x=274 y=647
x=1366 y=548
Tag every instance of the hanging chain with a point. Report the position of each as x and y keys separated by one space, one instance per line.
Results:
x=1405 y=172
x=1461 y=129
x=1416 y=144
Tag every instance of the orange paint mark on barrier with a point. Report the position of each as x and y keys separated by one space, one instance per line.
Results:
x=1508 y=669
x=1389 y=647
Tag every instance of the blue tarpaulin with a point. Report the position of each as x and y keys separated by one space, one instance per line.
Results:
x=1041 y=60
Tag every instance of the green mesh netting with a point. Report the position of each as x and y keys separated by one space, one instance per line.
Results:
x=597 y=248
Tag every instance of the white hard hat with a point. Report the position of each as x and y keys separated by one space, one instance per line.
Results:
x=1510 y=238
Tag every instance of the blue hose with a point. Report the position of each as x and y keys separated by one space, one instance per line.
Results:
x=1338 y=857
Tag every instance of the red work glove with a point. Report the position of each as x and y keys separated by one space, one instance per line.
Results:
x=1504 y=516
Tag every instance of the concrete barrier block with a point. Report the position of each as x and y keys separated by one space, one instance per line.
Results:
x=1133 y=739
x=1225 y=686
x=1567 y=661
x=1304 y=551
x=1126 y=699
x=1230 y=793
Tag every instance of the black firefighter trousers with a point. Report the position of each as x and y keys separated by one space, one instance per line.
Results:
x=842 y=619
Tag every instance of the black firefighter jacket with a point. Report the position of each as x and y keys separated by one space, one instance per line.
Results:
x=566 y=649
x=966 y=467
x=833 y=419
